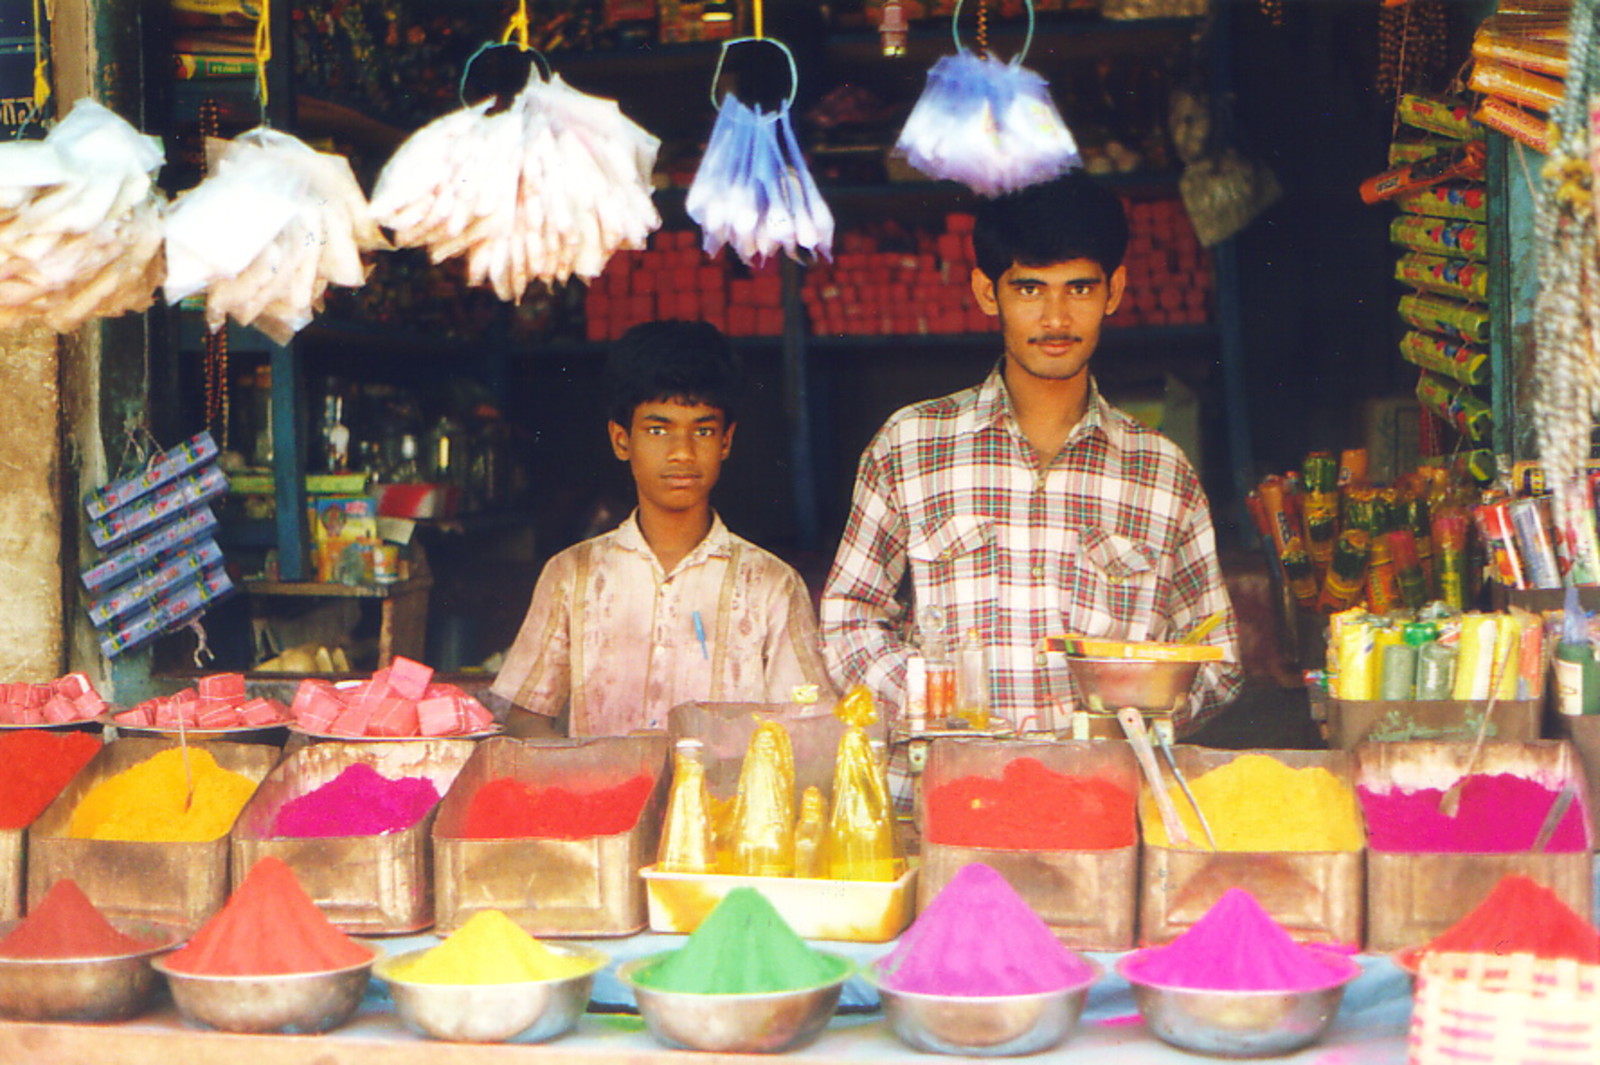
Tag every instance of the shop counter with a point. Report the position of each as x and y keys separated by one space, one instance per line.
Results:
x=1370 y=1030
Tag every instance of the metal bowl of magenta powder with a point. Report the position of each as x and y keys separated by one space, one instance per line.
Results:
x=985 y=1025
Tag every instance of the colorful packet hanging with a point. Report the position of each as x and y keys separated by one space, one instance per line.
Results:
x=1440 y=236
x=1450 y=357
x=1460 y=278
x=1446 y=118
x=1436 y=314
x=1470 y=416
x=1467 y=201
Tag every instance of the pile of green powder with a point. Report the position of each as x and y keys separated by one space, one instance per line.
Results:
x=742 y=947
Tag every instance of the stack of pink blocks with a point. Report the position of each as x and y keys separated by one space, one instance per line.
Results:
x=399 y=700
x=61 y=702
x=215 y=702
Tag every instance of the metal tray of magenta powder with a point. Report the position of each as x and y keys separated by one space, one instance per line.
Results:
x=365 y=884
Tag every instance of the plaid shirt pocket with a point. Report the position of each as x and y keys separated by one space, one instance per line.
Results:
x=956 y=564
x=1111 y=584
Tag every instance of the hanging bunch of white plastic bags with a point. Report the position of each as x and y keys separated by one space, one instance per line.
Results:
x=987 y=123
x=544 y=190
x=753 y=191
x=273 y=224
x=80 y=222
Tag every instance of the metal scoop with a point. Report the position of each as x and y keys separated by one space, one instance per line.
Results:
x=1177 y=774
x=1132 y=723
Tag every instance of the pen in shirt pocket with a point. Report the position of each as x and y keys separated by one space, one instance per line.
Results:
x=700 y=634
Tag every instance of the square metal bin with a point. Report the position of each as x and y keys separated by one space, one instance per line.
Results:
x=1316 y=896
x=171 y=883
x=1353 y=721
x=13 y=872
x=550 y=887
x=1086 y=897
x=1412 y=897
x=366 y=885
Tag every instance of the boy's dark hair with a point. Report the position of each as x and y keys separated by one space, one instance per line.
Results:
x=691 y=362
x=1069 y=217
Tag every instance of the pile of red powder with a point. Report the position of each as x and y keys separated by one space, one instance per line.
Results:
x=65 y=924
x=506 y=808
x=38 y=764
x=269 y=925
x=1031 y=808
x=1520 y=916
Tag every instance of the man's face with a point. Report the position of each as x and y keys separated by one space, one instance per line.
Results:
x=676 y=451
x=1050 y=316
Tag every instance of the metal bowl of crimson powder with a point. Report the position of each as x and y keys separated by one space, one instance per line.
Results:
x=111 y=983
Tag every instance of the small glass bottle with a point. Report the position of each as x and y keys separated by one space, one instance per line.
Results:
x=972 y=680
x=941 y=667
x=916 y=716
x=687 y=844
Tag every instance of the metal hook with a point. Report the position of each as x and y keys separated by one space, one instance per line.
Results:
x=794 y=71
x=537 y=60
x=1027 y=41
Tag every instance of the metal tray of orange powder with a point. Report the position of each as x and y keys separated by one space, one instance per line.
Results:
x=1087 y=897
x=365 y=885
x=550 y=887
x=171 y=883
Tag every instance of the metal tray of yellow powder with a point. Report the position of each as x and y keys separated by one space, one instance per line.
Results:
x=172 y=883
x=1412 y=897
x=365 y=885
x=550 y=887
x=1315 y=895
x=1087 y=897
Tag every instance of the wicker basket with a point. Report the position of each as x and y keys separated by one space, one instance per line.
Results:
x=1512 y=1009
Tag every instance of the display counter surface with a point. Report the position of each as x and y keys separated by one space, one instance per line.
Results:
x=1370 y=1030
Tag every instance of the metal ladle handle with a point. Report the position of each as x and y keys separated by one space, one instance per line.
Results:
x=1132 y=723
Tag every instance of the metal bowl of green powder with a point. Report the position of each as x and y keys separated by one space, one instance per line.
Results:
x=749 y=1022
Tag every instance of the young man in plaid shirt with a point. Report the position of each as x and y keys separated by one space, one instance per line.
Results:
x=1028 y=506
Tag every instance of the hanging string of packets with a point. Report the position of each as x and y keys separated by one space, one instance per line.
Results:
x=274 y=223
x=80 y=221
x=544 y=190
x=1436 y=653
x=987 y=123
x=753 y=191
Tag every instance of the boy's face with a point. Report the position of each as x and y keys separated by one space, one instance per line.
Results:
x=676 y=451
x=1050 y=316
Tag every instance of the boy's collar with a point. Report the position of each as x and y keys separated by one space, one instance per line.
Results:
x=717 y=542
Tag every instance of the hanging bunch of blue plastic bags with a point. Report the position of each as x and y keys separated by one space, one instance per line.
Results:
x=753 y=191
x=988 y=123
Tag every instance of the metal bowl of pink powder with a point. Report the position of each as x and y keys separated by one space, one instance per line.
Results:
x=1239 y=1024
x=984 y=1025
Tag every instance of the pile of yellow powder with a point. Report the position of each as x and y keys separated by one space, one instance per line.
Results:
x=1257 y=803
x=150 y=802
x=489 y=949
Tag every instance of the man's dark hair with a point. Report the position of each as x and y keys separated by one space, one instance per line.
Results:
x=1069 y=217
x=687 y=362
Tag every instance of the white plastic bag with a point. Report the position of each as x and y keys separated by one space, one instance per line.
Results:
x=80 y=221
x=274 y=223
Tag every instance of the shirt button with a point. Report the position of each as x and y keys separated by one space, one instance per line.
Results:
x=1038 y=572
x=1039 y=659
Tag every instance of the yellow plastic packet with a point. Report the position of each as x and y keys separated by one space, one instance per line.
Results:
x=687 y=836
x=811 y=835
x=762 y=834
x=862 y=844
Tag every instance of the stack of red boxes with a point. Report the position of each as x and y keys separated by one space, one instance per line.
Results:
x=401 y=700
x=924 y=288
x=1169 y=273
x=675 y=279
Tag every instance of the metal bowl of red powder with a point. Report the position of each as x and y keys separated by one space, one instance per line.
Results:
x=1239 y=1024
x=764 y=1022
x=100 y=988
x=528 y=1011
x=985 y=1025
x=289 y=1003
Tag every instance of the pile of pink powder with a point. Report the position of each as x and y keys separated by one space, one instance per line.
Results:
x=1237 y=946
x=979 y=938
x=1500 y=813
x=360 y=801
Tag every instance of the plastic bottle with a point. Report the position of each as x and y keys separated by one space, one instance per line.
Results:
x=1577 y=674
x=687 y=844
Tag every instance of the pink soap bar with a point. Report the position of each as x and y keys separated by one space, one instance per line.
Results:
x=410 y=678
x=223 y=686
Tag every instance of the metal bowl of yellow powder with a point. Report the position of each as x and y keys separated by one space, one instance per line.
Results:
x=491 y=982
